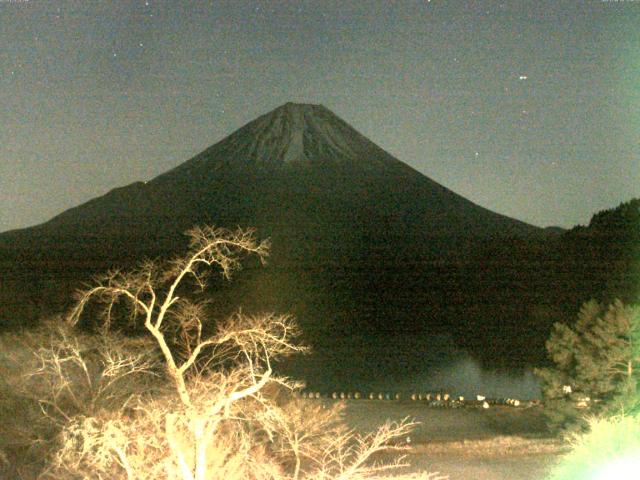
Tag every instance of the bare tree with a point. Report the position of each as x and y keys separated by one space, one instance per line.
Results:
x=153 y=293
x=226 y=414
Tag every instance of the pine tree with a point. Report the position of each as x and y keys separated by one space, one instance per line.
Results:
x=596 y=365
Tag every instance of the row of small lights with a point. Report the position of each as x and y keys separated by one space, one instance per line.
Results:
x=428 y=397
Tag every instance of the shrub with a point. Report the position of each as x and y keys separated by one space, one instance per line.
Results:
x=611 y=449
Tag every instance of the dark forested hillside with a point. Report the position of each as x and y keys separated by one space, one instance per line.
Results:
x=549 y=279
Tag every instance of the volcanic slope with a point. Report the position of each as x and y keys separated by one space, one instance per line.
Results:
x=297 y=159
x=365 y=249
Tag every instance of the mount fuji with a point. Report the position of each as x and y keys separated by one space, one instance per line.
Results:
x=298 y=155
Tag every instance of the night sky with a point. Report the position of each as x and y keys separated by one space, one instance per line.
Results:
x=528 y=108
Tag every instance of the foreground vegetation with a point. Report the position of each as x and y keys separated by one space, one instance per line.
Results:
x=610 y=449
x=137 y=383
x=179 y=400
x=592 y=391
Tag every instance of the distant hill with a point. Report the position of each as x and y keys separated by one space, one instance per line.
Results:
x=374 y=258
x=604 y=257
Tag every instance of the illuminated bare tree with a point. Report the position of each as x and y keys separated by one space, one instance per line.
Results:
x=152 y=293
x=225 y=413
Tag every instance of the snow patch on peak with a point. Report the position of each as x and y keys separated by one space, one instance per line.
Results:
x=301 y=133
x=295 y=149
x=292 y=133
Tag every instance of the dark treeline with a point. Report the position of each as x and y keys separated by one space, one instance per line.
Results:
x=549 y=280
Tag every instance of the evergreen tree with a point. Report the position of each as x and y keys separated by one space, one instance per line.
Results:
x=596 y=365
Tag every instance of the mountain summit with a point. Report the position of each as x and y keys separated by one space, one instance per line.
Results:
x=363 y=244
x=298 y=133
x=292 y=133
